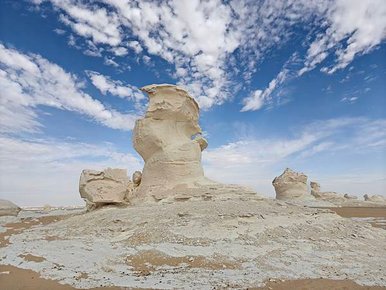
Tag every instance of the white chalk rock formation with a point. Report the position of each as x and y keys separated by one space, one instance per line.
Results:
x=170 y=142
x=8 y=208
x=291 y=185
x=110 y=186
x=375 y=198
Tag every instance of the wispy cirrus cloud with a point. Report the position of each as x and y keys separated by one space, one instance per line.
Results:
x=353 y=27
x=29 y=80
x=350 y=28
x=116 y=88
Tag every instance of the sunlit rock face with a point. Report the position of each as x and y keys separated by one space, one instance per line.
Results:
x=291 y=185
x=110 y=186
x=170 y=142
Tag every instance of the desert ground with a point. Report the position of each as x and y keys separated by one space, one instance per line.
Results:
x=234 y=243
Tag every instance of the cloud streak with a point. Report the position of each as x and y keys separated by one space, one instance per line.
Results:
x=116 y=88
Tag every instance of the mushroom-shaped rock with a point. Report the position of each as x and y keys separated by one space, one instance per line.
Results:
x=170 y=142
x=375 y=198
x=347 y=196
x=291 y=185
x=8 y=208
x=99 y=188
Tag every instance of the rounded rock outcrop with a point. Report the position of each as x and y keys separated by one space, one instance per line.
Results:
x=98 y=188
x=291 y=185
x=8 y=208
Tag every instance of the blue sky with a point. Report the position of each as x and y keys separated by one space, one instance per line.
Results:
x=297 y=84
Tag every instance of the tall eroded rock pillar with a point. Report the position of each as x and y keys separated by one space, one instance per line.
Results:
x=169 y=140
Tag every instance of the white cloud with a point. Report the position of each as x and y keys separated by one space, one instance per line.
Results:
x=110 y=61
x=120 y=51
x=354 y=27
x=105 y=85
x=41 y=171
x=254 y=102
x=194 y=35
x=351 y=28
x=258 y=98
x=349 y=99
x=135 y=45
x=28 y=81
x=91 y=22
x=59 y=31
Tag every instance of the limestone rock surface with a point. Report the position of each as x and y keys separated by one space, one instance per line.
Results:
x=375 y=198
x=291 y=185
x=8 y=208
x=170 y=141
x=110 y=186
x=229 y=244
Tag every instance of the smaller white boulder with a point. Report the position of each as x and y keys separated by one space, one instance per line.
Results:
x=98 y=188
x=8 y=208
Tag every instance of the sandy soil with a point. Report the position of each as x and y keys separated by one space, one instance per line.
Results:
x=194 y=245
x=12 y=278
